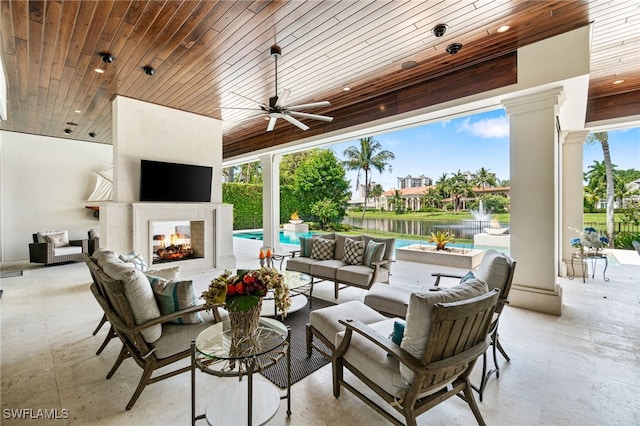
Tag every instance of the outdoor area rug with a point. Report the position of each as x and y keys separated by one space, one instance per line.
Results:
x=301 y=366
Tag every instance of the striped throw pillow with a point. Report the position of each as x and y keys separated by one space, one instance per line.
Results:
x=305 y=246
x=374 y=252
x=173 y=296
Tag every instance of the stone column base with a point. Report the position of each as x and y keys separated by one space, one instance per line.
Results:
x=536 y=299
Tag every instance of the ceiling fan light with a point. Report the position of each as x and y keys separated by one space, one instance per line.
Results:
x=439 y=30
x=503 y=28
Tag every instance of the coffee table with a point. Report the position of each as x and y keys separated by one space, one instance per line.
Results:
x=242 y=402
x=298 y=283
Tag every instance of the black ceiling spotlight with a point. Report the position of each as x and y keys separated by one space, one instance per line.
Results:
x=68 y=131
x=107 y=57
x=149 y=70
x=454 y=48
x=439 y=30
x=92 y=134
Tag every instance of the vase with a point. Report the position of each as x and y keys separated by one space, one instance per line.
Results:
x=244 y=325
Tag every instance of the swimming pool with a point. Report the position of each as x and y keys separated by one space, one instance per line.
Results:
x=293 y=238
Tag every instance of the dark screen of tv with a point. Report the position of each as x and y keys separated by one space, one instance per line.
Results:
x=161 y=181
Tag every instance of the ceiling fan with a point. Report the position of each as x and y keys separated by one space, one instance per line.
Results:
x=278 y=108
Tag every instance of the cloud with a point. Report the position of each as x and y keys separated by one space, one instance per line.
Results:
x=488 y=128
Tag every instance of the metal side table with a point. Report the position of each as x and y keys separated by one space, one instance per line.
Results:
x=245 y=401
x=589 y=259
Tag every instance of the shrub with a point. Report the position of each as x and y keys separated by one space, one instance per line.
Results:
x=623 y=240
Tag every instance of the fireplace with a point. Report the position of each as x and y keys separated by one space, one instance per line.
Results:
x=176 y=240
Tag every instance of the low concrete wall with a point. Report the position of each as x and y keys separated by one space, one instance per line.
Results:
x=416 y=253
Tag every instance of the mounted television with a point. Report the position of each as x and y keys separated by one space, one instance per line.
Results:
x=161 y=181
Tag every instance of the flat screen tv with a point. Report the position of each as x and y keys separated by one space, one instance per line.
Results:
x=161 y=181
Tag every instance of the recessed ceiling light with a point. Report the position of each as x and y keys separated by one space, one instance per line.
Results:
x=618 y=81
x=346 y=89
x=409 y=64
x=99 y=70
x=503 y=28
x=78 y=111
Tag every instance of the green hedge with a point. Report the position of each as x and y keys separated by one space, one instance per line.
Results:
x=623 y=240
x=247 y=204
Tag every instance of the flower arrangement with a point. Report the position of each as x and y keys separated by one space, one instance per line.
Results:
x=588 y=238
x=245 y=290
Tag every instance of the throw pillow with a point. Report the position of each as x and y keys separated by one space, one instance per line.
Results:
x=353 y=251
x=136 y=259
x=59 y=240
x=306 y=244
x=418 y=321
x=172 y=273
x=468 y=276
x=374 y=252
x=141 y=301
x=398 y=332
x=494 y=269
x=173 y=296
x=322 y=249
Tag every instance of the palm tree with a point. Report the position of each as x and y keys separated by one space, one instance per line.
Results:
x=603 y=139
x=431 y=197
x=368 y=156
x=376 y=192
x=484 y=177
x=397 y=201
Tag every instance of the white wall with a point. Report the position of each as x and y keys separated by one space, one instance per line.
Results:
x=44 y=183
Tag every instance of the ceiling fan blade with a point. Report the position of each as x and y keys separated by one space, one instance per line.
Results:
x=282 y=100
x=272 y=123
x=295 y=122
x=312 y=116
x=311 y=105
x=251 y=100
x=245 y=109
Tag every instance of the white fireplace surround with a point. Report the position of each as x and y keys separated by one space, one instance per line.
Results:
x=146 y=213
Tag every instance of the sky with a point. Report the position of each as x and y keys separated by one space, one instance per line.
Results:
x=469 y=143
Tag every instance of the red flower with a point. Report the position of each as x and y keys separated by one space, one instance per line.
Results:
x=231 y=290
x=239 y=288
x=248 y=279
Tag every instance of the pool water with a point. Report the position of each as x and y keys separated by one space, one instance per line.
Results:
x=293 y=238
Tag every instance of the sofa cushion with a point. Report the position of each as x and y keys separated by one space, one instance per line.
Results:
x=359 y=275
x=173 y=296
x=300 y=264
x=418 y=321
x=322 y=249
x=306 y=244
x=326 y=268
x=494 y=269
x=373 y=252
x=353 y=252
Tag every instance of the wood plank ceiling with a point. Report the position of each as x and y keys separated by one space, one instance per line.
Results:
x=205 y=53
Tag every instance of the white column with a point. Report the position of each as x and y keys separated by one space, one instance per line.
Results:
x=271 y=200
x=571 y=196
x=534 y=165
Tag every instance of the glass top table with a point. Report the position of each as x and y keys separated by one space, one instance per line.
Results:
x=298 y=282
x=242 y=402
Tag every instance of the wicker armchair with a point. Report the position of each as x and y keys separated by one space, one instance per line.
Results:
x=43 y=251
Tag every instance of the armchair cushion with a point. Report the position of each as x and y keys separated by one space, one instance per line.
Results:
x=494 y=269
x=418 y=322
x=322 y=249
x=173 y=296
x=138 y=293
x=67 y=250
x=353 y=251
x=42 y=236
x=172 y=273
x=372 y=360
x=175 y=338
